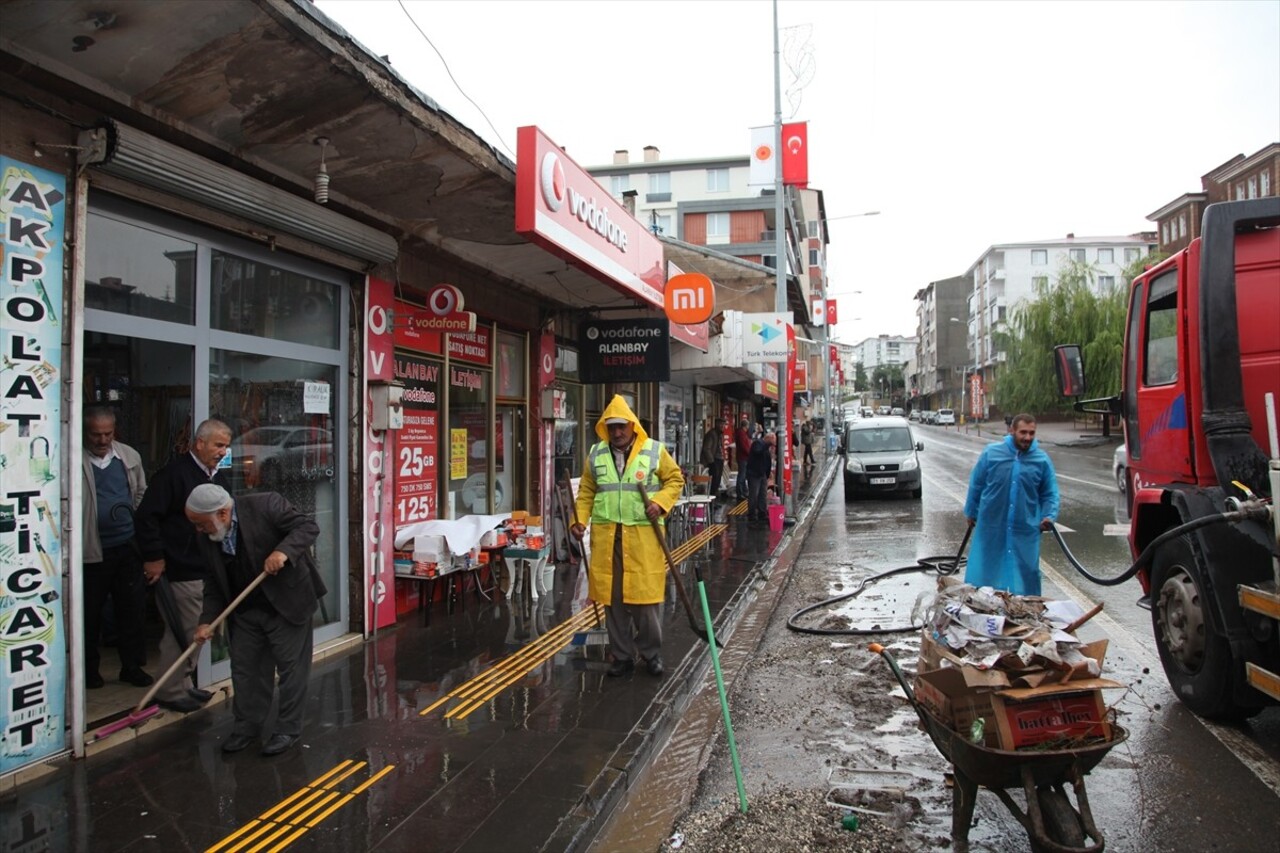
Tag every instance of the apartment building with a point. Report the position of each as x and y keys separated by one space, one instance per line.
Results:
x=942 y=324
x=1241 y=177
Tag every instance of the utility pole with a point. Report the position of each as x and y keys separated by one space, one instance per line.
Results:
x=780 y=264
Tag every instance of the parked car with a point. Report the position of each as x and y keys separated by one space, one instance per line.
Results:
x=929 y=416
x=1120 y=468
x=946 y=417
x=897 y=412
x=880 y=458
x=269 y=455
x=914 y=417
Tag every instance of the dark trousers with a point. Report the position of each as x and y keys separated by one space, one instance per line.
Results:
x=742 y=477
x=716 y=470
x=120 y=576
x=264 y=645
x=808 y=453
x=757 y=487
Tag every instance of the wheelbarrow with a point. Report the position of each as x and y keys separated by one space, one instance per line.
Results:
x=1052 y=823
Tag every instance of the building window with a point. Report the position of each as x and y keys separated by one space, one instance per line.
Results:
x=814 y=231
x=717 y=180
x=814 y=260
x=1039 y=257
x=717 y=225
x=618 y=184
x=1131 y=255
x=1040 y=281
x=662 y=223
x=1076 y=255
x=1240 y=191
x=1164 y=232
x=1182 y=225
x=1253 y=187
x=1264 y=185
x=1106 y=283
x=770 y=261
x=1106 y=256
x=659 y=182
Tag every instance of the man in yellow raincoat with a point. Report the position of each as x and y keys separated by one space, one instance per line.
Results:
x=628 y=568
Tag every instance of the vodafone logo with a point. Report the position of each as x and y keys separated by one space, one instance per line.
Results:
x=553 y=181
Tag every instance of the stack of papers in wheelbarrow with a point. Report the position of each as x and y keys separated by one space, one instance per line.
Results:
x=1018 y=639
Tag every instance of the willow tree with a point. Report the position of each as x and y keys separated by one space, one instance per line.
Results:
x=1070 y=310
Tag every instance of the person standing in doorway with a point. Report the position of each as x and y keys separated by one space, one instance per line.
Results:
x=1013 y=496
x=742 y=449
x=270 y=630
x=628 y=572
x=712 y=455
x=114 y=483
x=169 y=550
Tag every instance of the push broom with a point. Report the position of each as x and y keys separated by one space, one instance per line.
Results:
x=144 y=709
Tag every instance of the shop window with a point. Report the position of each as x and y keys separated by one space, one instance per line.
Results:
x=141 y=272
x=511 y=366
x=568 y=447
x=254 y=298
x=467 y=443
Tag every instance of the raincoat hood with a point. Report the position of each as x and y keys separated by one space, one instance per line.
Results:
x=618 y=408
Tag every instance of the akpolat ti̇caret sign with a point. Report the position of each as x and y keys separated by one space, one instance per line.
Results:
x=560 y=207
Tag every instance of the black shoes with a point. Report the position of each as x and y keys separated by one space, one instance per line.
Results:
x=185 y=705
x=135 y=676
x=279 y=744
x=654 y=665
x=235 y=743
x=201 y=696
x=620 y=667
x=93 y=681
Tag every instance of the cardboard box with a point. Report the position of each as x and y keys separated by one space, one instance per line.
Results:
x=957 y=697
x=1054 y=720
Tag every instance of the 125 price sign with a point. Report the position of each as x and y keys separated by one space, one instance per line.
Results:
x=416 y=468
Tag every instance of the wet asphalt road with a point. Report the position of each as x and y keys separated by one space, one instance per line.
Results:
x=1179 y=783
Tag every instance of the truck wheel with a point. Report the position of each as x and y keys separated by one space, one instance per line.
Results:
x=1061 y=823
x=1196 y=660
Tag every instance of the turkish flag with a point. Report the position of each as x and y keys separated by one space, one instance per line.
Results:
x=795 y=154
x=831 y=312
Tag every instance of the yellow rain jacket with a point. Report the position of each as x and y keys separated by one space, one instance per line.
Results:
x=613 y=504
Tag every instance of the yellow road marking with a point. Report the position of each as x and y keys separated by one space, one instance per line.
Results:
x=290 y=813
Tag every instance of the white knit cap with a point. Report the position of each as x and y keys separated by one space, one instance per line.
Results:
x=208 y=498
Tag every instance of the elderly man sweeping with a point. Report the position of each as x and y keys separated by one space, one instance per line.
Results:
x=628 y=567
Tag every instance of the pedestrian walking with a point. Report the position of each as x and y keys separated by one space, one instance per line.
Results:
x=742 y=449
x=806 y=439
x=759 y=467
x=1013 y=496
x=712 y=455
x=270 y=631
x=628 y=566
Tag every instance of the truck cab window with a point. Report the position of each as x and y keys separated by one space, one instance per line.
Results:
x=1161 y=350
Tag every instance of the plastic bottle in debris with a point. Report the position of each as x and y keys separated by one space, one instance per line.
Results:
x=849 y=821
x=977 y=731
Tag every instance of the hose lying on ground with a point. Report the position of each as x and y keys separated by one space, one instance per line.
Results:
x=941 y=565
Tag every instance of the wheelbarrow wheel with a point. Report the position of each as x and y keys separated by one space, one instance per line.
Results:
x=1061 y=823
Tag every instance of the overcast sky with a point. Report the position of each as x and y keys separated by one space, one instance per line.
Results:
x=964 y=123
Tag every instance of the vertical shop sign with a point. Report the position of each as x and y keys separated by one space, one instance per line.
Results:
x=379 y=450
x=417 y=452
x=32 y=630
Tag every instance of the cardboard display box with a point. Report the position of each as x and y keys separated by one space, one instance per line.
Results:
x=1059 y=718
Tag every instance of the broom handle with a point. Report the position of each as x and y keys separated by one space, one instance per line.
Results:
x=190 y=650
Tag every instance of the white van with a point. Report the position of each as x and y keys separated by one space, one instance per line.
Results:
x=946 y=417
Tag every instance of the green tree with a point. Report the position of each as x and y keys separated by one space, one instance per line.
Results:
x=1069 y=311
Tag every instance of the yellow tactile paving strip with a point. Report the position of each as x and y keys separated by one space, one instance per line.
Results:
x=291 y=818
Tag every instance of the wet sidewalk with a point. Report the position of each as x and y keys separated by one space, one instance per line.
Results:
x=474 y=725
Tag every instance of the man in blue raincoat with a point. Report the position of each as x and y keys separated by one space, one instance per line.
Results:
x=1013 y=496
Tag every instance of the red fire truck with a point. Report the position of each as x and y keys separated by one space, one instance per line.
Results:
x=1200 y=385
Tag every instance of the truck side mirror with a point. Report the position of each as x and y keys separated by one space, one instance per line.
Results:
x=1069 y=365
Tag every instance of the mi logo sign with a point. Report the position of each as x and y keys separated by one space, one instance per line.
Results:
x=689 y=299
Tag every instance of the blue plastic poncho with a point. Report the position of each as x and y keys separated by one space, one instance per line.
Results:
x=1010 y=493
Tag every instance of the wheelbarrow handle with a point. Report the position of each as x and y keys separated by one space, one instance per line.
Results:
x=876 y=648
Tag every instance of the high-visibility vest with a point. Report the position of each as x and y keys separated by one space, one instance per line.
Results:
x=617 y=499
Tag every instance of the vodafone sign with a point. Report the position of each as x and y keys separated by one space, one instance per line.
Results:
x=562 y=209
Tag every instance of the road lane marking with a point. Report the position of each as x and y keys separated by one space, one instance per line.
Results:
x=290 y=819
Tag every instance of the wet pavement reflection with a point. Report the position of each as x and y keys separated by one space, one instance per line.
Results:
x=533 y=764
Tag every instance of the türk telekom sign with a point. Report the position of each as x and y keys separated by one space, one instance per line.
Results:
x=562 y=209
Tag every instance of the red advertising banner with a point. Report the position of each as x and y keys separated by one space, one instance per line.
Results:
x=378 y=450
x=560 y=207
x=417 y=464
